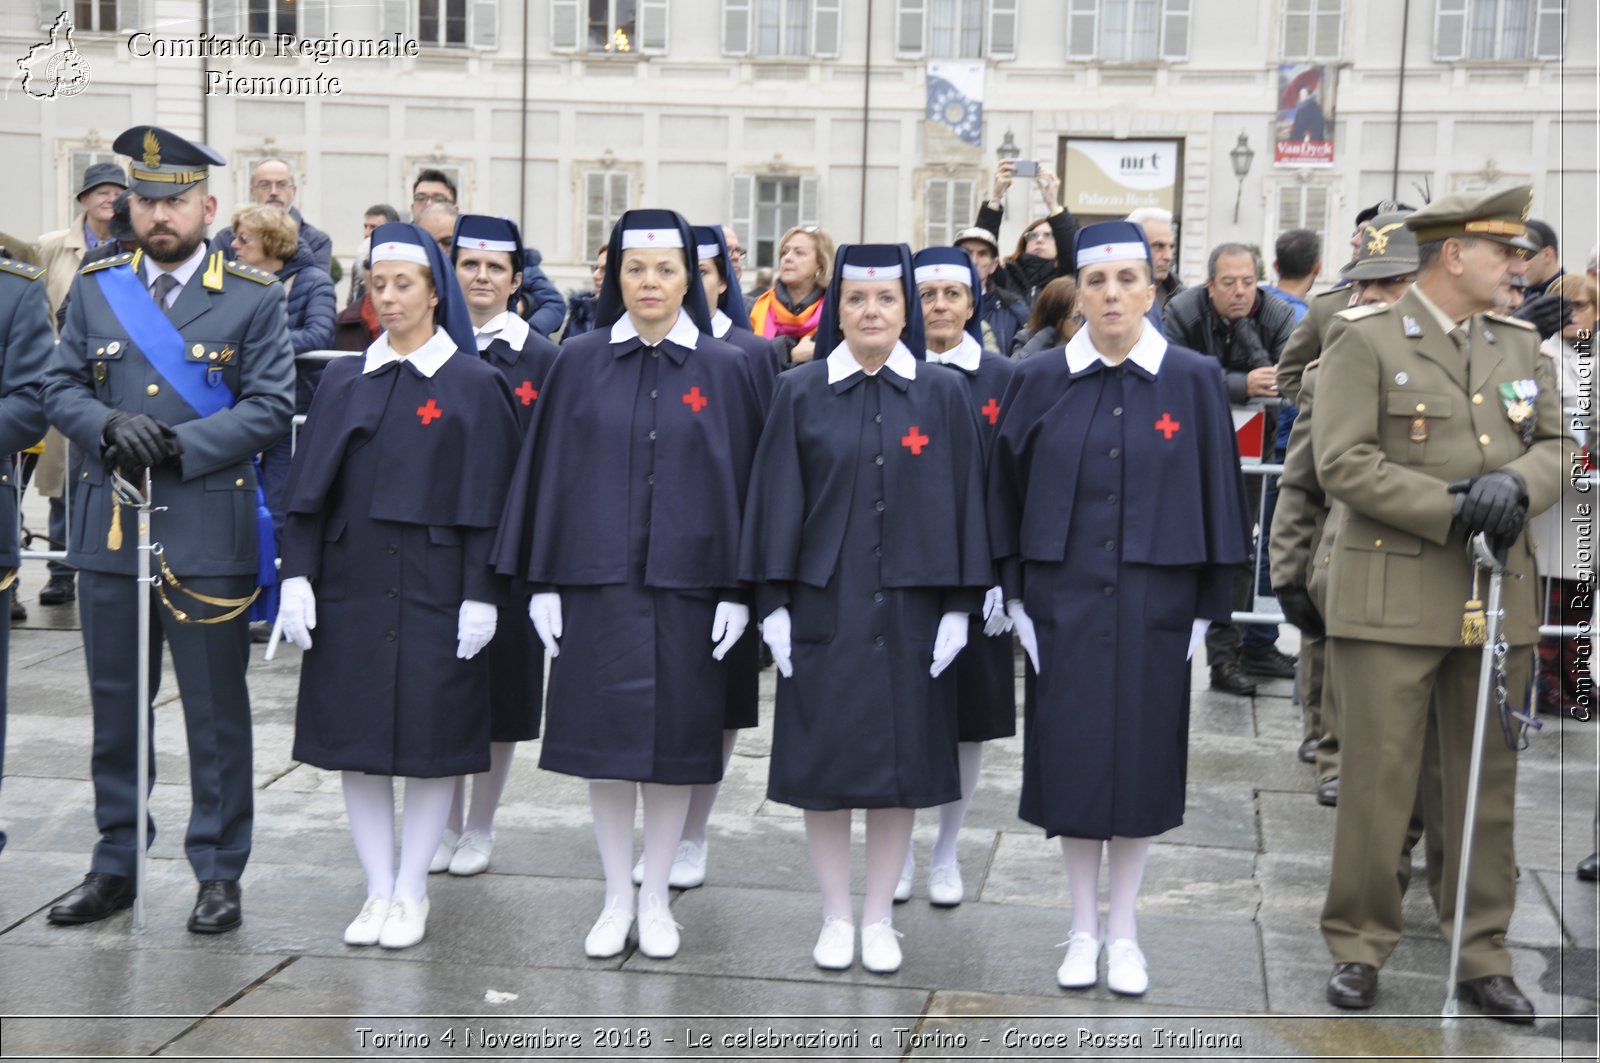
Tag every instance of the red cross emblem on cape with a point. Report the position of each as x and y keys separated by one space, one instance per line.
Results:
x=526 y=392
x=430 y=412
x=914 y=440
x=991 y=410
x=1167 y=426
x=694 y=400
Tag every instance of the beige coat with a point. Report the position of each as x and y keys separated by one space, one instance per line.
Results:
x=61 y=253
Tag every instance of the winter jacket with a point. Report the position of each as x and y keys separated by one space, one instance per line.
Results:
x=1026 y=274
x=1006 y=313
x=543 y=309
x=1255 y=340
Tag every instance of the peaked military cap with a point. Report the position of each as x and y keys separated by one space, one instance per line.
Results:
x=1498 y=215
x=165 y=164
x=1388 y=249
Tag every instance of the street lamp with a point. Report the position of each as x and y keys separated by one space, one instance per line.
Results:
x=1242 y=156
x=1008 y=147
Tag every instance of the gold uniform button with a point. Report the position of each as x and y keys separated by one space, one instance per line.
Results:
x=1484 y=439
x=1377 y=543
x=197 y=350
x=113 y=347
x=153 y=389
x=212 y=356
x=1422 y=407
x=1477 y=400
x=102 y=350
x=239 y=482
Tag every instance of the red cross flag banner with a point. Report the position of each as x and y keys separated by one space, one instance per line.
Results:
x=1303 y=131
x=1250 y=429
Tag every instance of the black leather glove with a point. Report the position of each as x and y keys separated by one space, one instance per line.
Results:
x=1495 y=503
x=1548 y=313
x=1300 y=611
x=137 y=441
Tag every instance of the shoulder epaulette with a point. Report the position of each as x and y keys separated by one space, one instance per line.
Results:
x=1507 y=319
x=21 y=269
x=1360 y=313
x=114 y=260
x=239 y=269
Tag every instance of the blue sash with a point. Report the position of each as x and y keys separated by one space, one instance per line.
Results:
x=205 y=392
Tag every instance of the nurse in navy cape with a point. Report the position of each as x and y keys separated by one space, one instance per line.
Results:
x=487 y=255
x=949 y=289
x=864 y=535
x=624 y=515
x=392 y=503
x=1117 y=514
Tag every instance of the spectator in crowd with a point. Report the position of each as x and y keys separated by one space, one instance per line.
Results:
x=272 y=184
x=735 y=256
x=789 y=311
x=763 y=282
x=1159 y=231
x=438 y=220
x=1044 y=250
x=1544 y=265
x=1002 y=311
x=581 y=305
x=539 y=302
x=376 y=215
x=1054 y=320
x=1298 y=263
x=431 y=186
x=1245 y=329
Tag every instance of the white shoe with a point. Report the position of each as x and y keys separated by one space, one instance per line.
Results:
x=472 y=854
x=902 y=889
x=407 y=923
x=880 y=947
x=443 y=855
x=1125 y=969
x=944 y=886
x=609 y=935
x=638 y=871
x=1081 y=968
x=658 y=934
x=688 y=866
x=366 y=927
x=836 y=945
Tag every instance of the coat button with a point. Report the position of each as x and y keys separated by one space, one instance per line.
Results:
x=1477 y=400
x=114 y=346
x=1377 y=543
x=153 y=389
x=878 y=460
x=1111 y=544
x=1116 y=411
x=239 y=482
x=1484 y=439
x=879 y=641
x=1115 y=453
x=652 y=393
x=652 y=435
x=1422 y=407
x=388 y=636
x=1108 y=591
x=651 y=479
x=878 y=505
x=877 y=418
x=393 y=549
x=877 y=597
x=392 y=592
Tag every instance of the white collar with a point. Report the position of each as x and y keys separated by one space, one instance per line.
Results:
x=181 y=273
x=506 y=326
x=426 y=359
x=683 y=332
x=965 y=355
x=1147 y=353
x=720 y=324
x=842 y=365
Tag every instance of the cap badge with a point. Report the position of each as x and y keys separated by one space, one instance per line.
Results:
x=1413 y=329
x=1378 y=239
x=152 y=149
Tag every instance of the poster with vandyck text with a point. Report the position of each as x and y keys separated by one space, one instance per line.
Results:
x=1304 y=128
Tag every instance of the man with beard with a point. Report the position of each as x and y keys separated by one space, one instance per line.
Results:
x=174 y=360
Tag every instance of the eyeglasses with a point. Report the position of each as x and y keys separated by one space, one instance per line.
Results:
x=437 y=197
x=1039 y=235
x=272 y=186
x=735 y=251
x=243 y=238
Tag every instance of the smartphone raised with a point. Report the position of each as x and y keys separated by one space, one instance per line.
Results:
x=1026 y=168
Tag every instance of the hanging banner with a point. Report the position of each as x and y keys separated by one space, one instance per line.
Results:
x=955 y=97
x=1304 y=131
x=1113 y=177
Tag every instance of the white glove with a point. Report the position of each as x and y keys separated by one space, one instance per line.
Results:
x=996 y=622
x=545 y=612
x=775 y=633
x=1197 y=635
x=474 y=628
x=948 y=642
x=297 y=610
x=728 y=627
x=1025 y=633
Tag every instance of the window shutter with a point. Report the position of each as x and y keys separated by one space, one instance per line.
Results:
x=653 y=26
x=566 y=25
x=936 y=210
x=1175 y=29
x=825 y=28
x=485 y=24
x=1083 y=29
x=396 y=16
x=1002 y=29
x=808 y=201
x=1549 y=29
x=314 y=19
x=594 y=209
x=1328 y=35
x=736 y=27
x=1296 y=35
x=1450 y=30
x=742 y=208
x=129 y=15
x=910 y=23
x=227 y=18
x=48 y=10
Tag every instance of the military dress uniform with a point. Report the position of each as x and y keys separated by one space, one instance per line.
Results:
x=1407 y=405
x=26 y=344
x=235 y=345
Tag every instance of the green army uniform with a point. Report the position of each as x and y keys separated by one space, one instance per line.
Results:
x=1406 y=407
x=1305 y=342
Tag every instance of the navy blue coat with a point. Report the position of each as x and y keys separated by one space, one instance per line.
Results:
x=546 y=308
x=26 y=346
x=313 y=303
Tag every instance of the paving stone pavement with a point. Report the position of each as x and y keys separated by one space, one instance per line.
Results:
x=1228 y=918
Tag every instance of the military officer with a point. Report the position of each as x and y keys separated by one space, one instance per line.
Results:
x=177 y=360
x=26 y=343
x=1435 y=420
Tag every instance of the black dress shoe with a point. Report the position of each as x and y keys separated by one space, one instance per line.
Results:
x=58 y=591
x=19 y=612
x=1328 y=792
x=98 y=896
x=1268 y=662
x=1589 y=867
x=217 y=907
x=1498 y=997
x=1229 y=678
x=1308 y=750
x=1353 y=985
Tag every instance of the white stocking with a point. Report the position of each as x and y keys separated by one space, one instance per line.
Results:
x=611 y=803
x=664 y=809
x=828 y=835
x=487 y=788
x=1082 y=856
x=705 y=795
x=421 y=828
x=888 y=842
x=458 y=805
x=951 y=816
x=1128 y=856
x=369 y=802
